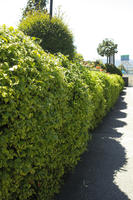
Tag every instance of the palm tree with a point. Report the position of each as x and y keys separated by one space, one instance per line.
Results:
x=107 y=48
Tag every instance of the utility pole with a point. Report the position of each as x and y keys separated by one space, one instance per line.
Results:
x=51 y=8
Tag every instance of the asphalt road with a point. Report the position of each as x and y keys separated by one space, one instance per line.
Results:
x=105 y=171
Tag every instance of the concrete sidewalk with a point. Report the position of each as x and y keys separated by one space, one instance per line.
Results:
x=105 y=171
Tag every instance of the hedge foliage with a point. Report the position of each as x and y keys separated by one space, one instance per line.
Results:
x=54 y=34
x=112 y=69
x=47 y=105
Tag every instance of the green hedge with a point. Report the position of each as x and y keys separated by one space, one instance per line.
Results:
x=101 y=87
x=47 y=105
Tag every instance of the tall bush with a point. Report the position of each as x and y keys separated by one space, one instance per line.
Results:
x=54 y=34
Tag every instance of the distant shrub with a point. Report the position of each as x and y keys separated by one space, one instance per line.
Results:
x=47 y=105
x=54 y=34
x=112 y=69
x=78 y=58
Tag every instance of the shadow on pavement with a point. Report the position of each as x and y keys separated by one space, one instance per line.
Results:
x=93 y=177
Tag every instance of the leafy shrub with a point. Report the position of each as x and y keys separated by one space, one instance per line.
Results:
x=112 y=69
x=78 y=58
x=54 y=34
x=47 y=105
x=43 y=120
x=32 y=90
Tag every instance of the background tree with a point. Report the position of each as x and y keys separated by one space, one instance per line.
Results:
x=33 y=5
x=107 y=48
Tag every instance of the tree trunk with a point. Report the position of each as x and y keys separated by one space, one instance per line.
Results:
x=114 y=59
x=107 y=59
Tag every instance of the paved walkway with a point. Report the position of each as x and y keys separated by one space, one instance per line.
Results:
x=105 y=171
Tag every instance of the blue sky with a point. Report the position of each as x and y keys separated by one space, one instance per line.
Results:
x=91 y=21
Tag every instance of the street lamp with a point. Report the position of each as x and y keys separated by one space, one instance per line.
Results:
x=51 y=8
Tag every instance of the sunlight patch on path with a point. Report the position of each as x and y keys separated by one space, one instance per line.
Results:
x=124 y=177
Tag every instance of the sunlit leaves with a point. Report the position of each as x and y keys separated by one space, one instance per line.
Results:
x=47 y=105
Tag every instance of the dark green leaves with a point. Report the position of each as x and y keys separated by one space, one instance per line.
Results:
x=54 y=34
